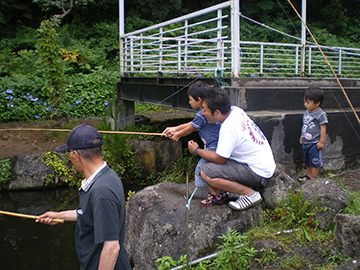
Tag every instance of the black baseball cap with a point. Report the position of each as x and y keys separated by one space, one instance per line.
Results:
x=81 y=137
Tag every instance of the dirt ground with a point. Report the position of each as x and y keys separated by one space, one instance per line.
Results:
x=18 y=142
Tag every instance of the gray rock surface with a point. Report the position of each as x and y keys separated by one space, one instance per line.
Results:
x=29 y=172
x=155 y=156
x=333 y=198
x=346 y=236
x=277 y=186
x=156 y=223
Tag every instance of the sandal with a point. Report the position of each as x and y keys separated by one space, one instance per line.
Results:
x=304 y=179
x=212 y=200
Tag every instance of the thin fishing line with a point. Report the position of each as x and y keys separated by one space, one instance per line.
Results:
x=293 y=25
x=271 y=28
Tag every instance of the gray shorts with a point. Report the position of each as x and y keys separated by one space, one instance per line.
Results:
x=234 y=171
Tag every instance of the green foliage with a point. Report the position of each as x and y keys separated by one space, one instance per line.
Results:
x=166 y=262
x=18 y=106
x=130 y=193
x=86 y=95
x=335 y=257
x=62 y=168
x=117 y=153
x=50 y=61
x=294 y=262
x=352 y=208
x=234 y=253
x=267 y=256
x=295 y=212
x=5 y=172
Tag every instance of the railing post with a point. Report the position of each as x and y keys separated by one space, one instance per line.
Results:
x=132 y=54
x=303 y=36
x=296 y=60
x=309 y=68
x=121 y=33
x=261 y=59
x=235 y=37
x=186 y=43
x=141 y=51
x=179 y=55
x=340 y=56
x=161 y=49
x=219 y=34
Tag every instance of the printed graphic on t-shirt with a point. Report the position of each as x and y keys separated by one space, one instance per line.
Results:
x=308 y=123
x=255 y=132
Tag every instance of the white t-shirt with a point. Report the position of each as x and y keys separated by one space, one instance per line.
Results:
x=240 y=139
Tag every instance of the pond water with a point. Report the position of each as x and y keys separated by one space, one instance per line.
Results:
x=25 y=244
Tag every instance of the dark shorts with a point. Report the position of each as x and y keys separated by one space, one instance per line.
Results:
x=313 y=157
x=234 y=171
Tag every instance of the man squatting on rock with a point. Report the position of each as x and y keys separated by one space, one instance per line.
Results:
x=100 y=217
x=243 y=159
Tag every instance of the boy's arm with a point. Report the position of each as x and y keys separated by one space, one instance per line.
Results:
x=188 y=129
x=169 y=131
x=320 y=144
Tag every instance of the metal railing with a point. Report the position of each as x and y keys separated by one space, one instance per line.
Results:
x=202 y=42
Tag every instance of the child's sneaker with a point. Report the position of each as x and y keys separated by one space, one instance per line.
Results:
x=245 y=202
x=212 y=200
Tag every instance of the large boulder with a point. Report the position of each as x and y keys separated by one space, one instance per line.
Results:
x=156 y=223
x=29 y=172
x=155 y=156
x=332 y=196
x=277 y=186
x=346 y=236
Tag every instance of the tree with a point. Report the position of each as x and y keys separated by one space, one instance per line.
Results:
x=63 y=5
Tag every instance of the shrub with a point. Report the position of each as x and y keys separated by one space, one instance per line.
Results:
x=5 y=172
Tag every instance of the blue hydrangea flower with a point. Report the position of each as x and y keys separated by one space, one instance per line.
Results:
x=70 y=106
x=37 y=116
x=9 y=91
x=45 y=104
x=48 y=108
x=106 y=103
x=34 y=99
x=9 y=97
x=77 y=101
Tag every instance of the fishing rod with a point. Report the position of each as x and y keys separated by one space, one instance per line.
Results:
x=68 y=130
x=28 y=216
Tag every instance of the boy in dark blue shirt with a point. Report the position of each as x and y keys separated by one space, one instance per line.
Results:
x=209 y=134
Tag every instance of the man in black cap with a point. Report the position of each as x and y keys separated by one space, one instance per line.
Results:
x=100 y=217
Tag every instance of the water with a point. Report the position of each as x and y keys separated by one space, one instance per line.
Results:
x=25 y=244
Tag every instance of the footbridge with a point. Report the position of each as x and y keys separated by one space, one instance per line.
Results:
x=160 y=62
